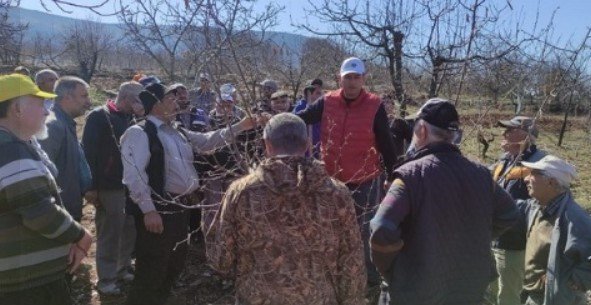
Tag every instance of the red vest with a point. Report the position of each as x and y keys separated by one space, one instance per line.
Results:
x=347 y=138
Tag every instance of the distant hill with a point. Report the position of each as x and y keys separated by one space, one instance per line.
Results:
x=50 y=25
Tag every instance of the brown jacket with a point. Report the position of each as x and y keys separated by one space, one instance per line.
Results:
x=287 y=234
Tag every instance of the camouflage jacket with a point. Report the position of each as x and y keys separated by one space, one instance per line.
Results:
x=287 y=234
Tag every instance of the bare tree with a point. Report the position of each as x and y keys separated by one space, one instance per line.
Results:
x=157 y=27
x=11 y=35
x=378 y=26
x=86 y=44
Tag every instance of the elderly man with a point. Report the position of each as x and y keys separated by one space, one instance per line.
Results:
x=287 y=232
x=518 y=145
x=431 y=234
x=189 y=117
x=228 y=162
x=354 y=133
x=45 y=79
x=159 y=174
x=268 y=87
x=203 y=98
x=558 y=248
x=280 y=102
x=62 y=146
x=39 y=240
x=115 y=230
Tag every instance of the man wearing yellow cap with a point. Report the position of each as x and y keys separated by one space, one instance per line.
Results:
x=39 y=240
x=558 y=247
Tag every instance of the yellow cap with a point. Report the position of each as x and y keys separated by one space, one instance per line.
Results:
x=15 y=85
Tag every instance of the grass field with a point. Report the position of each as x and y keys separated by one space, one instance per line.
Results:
x=576 y=148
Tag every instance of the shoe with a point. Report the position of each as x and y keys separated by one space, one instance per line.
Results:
x=109 y=289
x=127 y=277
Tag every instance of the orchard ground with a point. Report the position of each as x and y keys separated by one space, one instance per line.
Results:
x=200 y=286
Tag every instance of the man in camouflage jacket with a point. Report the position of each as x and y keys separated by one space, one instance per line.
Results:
x=287 y=232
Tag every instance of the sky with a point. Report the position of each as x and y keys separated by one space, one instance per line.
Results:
x=570 y=21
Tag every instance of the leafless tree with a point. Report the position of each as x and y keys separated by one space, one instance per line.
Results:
x=377 y=26
x=11 y=35
x=86 y=43
x=157 y=27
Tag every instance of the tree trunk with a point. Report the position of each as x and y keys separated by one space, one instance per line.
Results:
x=563 y=128
x=397 y=79
x=437 y=64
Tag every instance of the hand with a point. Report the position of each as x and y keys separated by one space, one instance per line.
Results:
x=263 y=118
x=75 y=258
x=248 y=122
x=79 y=251
x=153 y=222
x=92 y=198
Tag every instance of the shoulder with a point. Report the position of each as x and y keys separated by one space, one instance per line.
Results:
x=134 y=134
x=249 y=184
x=374 y=97
x=576 y=214
x=18 y=161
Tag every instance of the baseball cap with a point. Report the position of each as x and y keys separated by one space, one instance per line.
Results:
x=15 y=85
x=279 y=94
x=200 y=118
x=352 y=65
x=270 y=84
x=205 y=76
x=554 y=167
x=226 y=91
x=315 y=82
x=521 y=122
x=440 y=113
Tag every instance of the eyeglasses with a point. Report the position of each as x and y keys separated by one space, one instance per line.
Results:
x=48 y=105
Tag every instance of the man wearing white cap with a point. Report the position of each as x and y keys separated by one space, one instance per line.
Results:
x=354 y=133
x=558 y=248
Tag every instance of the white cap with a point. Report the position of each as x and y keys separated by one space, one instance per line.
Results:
x=226 y=97
x=554 y=167
x=352 y=65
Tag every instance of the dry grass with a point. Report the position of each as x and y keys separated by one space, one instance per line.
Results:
x=576 y=147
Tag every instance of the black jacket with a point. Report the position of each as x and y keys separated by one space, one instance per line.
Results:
x=102 y=131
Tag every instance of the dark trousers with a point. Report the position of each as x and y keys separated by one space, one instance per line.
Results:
x=54 y=293
x=367 y=197
x=158 y=264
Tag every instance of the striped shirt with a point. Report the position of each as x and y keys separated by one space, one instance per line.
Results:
x=35 y=230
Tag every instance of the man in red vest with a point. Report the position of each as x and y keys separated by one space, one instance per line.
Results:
x=353 y=134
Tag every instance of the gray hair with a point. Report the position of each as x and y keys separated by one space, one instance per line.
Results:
x=131 y=88
x=43 y=73
x=287 y=133
x=436 y=134
x=66 y=85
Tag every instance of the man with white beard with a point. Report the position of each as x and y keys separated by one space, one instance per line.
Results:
x=38 y=238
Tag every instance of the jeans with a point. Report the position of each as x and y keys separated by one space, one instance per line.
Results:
x=367 y=197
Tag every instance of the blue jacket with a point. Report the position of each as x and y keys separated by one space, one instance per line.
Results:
x=570 y=250
x=302 y=105
x=510 y=176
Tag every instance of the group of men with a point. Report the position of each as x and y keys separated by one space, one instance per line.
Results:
x=307 y=224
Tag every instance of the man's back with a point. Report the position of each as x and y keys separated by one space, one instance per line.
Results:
x=289 y=233
x=453 y=208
